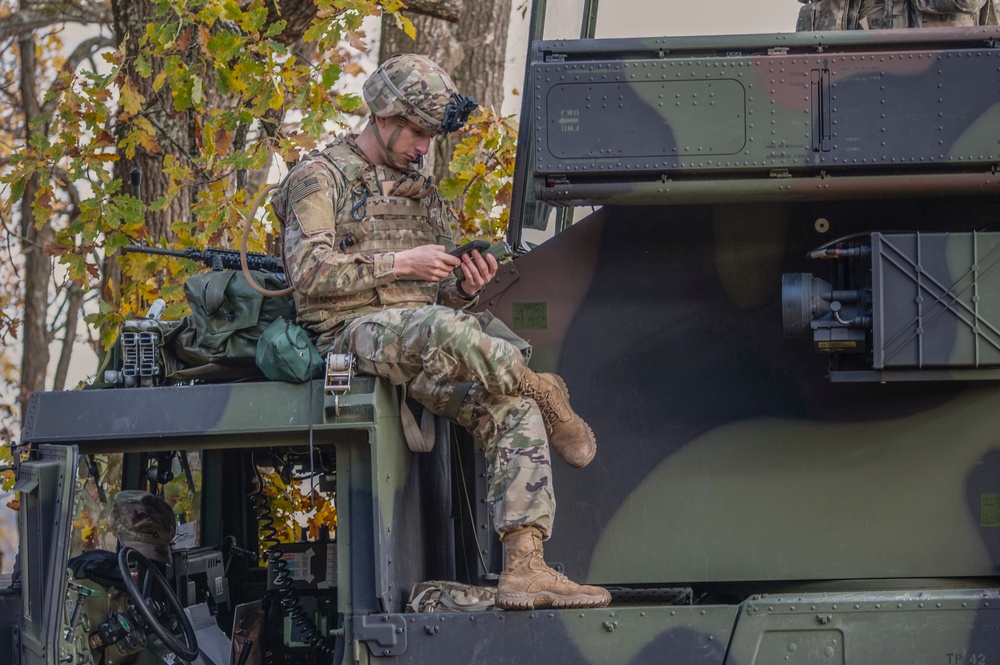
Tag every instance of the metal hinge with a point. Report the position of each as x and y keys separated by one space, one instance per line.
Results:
x=778 y=50
x=555 y=57
x=384 y=633
x=780 y=173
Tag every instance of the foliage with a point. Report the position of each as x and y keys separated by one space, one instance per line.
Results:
x=47 y=60
x=90 y=516
x=220 y=67
x=293 y=503
x=483 y=175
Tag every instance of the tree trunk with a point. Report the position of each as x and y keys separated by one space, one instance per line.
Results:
x=174 y=129
x=174 y=134
x=473 y=51
x=74 y=303
x=37 y=265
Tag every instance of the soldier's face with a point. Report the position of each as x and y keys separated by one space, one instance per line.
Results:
x=412 y=142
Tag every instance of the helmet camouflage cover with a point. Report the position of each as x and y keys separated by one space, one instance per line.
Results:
x=143 y=522
x=415 y=87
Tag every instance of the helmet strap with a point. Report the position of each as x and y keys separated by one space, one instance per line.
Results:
x=395 y=158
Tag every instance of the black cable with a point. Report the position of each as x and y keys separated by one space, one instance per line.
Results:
x=284 y=591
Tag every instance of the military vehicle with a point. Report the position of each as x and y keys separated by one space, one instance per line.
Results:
x=781 y=318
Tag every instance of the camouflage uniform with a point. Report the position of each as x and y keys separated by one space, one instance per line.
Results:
x=340 y=232
x=887 y=14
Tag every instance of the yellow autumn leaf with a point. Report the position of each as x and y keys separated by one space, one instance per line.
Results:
x=130 y=98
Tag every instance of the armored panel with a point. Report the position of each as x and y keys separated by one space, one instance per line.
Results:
x=639 y=635
x=955 y=626
x=791 y=116
x=724 y=452
x=45 y=486
x=714 y=125
x=936 y=300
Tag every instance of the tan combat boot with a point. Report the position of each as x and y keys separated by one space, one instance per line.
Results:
x=569 y=435
x=527 y=583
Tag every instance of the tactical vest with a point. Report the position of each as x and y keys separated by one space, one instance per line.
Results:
x=368 y=221
x=894 y=14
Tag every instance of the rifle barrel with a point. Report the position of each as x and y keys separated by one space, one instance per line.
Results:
x=145 y=249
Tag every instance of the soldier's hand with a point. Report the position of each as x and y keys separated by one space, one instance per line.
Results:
x=479 y=270
x=431 y=263
x=413 y=185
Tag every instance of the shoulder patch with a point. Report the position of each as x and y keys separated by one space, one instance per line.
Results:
x=304 y=188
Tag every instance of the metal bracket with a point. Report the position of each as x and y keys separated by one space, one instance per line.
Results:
x=778 y=50
x=504 y=279
x=555 y=57
x=339 y=372
x=384 y=633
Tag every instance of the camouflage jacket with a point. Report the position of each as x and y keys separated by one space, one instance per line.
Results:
x=340 y=234
x=886 y=14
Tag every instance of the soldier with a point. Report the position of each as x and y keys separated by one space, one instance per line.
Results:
x=886 y=14
x=365 y=245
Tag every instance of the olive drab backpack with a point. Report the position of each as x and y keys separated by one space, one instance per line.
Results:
x=217 y=341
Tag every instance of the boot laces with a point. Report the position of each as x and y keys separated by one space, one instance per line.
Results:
x=551 y=408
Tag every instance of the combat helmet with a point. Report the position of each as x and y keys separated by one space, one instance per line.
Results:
x=414 y=87
x=143 y=522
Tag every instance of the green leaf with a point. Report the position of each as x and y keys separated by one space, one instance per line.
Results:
x=209 y=14
x=275 y=29
x=254 y=18
x=225 y=45
x=450 y=188
x=18 y=186
x=142 y=66
x=231 y=11
x=182 y=93
x=331 y=74
x=161 y=202
x=350 y=102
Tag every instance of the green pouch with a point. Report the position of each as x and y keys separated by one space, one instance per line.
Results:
x=285 y=353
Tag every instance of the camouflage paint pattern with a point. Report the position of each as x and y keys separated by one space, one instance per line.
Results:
x=811 y=116
x=817 y=522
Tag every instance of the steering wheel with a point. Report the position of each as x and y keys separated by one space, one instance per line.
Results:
x=147 y=572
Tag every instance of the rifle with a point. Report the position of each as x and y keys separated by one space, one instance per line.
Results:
x=216 y=259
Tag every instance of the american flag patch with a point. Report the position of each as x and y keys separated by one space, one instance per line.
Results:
x=304 y=189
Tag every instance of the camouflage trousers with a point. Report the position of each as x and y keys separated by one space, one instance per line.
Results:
x=433 y=349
